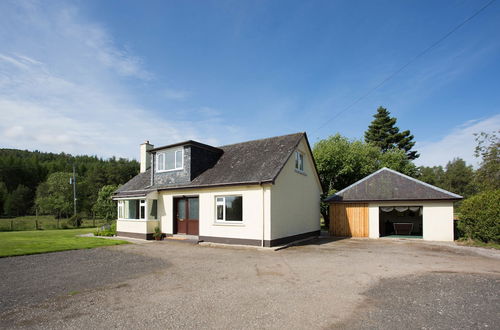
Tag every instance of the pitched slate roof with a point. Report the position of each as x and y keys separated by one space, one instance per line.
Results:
x=389 y=185
x=252 y=162
x=137 y=186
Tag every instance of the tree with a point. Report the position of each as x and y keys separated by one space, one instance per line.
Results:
x=488 y=149
x=55 y=196
x=459 y=178
x=104 y=206
x=384 y=134
x=480 y=216
x=432 y=175
x=18 y=202
x=341 y=162
x=3 y=196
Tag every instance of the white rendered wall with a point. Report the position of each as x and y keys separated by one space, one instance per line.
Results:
x=295 y=198
x=438 y=222
x=437 y=219
x=136 y=226
x=256 y=209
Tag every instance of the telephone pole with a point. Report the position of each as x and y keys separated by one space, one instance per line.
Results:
x=73 y=181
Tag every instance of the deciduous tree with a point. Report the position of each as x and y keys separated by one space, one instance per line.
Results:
x=104 y=206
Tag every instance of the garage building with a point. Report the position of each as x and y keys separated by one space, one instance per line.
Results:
x=390 y=204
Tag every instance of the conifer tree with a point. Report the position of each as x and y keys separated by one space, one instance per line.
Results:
x=384 y=134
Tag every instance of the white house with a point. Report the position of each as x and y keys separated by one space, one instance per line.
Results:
x=263 y=192
x=390 y=204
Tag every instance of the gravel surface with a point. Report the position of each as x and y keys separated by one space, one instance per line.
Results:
x=430 y=301
x=322 y=284
x=34 y=278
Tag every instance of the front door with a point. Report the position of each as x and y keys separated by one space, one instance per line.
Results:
x=186 y=215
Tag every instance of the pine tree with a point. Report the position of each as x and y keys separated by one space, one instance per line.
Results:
x=384 y=134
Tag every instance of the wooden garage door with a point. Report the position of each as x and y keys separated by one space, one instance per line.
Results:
x=349 y=220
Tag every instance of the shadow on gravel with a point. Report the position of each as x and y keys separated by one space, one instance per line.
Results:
x=437 y=300
x=34 y=278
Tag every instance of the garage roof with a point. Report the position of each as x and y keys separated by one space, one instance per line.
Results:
x=389 y=185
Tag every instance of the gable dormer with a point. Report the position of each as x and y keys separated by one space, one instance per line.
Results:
x=182 y=162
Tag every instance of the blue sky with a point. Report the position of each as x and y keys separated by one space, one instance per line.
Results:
x=100 y=77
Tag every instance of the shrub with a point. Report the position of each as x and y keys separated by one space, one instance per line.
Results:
x=480 y=217
x=76 y=220
x=106 y=230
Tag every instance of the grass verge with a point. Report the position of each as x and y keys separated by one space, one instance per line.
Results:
x=489 y=245
x=33 y=242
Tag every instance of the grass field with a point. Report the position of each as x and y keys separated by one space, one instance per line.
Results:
x=41 y=241
x=43 y=222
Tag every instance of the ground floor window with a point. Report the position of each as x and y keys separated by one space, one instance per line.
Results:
x=229 y=208
x=132 y=209
x=400 y=220
x=153 y=213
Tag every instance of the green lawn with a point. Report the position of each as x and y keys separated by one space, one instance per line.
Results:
x=32 y=242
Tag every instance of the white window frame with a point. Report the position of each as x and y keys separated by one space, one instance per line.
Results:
x=121 y=209
x=223 y=203
x=299 y=161
x=161 y=159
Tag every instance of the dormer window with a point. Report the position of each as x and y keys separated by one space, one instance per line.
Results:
x=299 y=161
x=170 y=160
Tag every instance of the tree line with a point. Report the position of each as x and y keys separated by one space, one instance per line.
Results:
x=37 y=182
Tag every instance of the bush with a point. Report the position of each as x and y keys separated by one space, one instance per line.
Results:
x=76 y=220
x=106 y=230
x=480 y=217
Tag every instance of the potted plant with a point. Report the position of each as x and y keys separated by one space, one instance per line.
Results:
x=158 y=235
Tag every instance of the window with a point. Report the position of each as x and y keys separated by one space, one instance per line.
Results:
x=299 y=161
x=229 y=208
x=169 y=160
x=133 y=209
x=120 y=209
x=142 y=214
x=153 y=213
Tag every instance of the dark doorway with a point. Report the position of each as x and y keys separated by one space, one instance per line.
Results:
x=186 y=215
x=400 y=221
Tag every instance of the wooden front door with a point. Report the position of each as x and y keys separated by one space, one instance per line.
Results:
x=186 y=215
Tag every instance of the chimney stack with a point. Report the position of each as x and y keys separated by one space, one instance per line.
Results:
x=145 y=156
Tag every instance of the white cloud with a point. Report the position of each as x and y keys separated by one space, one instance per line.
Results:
x=460 y=142
x=62 y=88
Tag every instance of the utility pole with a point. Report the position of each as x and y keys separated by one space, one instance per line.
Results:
x=73 y=181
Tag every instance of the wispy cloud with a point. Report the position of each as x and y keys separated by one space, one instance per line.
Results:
x=62 y=88
x=459 y=143
x=175 y=94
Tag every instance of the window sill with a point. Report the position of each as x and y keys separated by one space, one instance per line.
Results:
x=138 y=220
x=166 y=171
x=301 y=172
x=230 y=224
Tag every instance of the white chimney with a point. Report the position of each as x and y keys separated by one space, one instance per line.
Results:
x=145 y=156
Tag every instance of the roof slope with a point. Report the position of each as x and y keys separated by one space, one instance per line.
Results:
x=137 y=185
x=389 y=185
x=249 y=162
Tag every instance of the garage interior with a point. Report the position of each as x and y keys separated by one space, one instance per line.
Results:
x=400 y=221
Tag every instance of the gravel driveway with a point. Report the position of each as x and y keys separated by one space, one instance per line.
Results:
x=326 y=284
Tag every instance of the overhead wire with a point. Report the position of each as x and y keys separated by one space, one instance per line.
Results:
x=404 y=66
